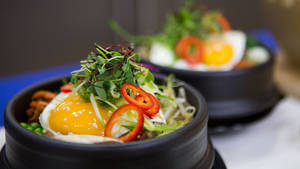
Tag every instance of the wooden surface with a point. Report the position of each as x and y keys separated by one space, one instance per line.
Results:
x=287 y=76
x=282 y=17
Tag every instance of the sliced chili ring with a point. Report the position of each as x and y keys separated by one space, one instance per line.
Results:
x=183 y=49
x=67 y=88
x=179 y=48
x=154 y=109
x=132 y=135
x=139 y=98
x=147 y=104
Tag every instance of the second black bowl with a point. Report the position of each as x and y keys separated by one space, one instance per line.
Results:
x=232 y=96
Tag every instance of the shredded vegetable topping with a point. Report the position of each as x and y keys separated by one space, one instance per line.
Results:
x=126 y=101
x=104 y=73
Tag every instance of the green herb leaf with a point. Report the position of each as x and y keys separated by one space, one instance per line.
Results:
x=105 y=71
x=101 y=93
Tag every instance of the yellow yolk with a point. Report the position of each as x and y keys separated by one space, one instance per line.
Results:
x=75 y=116
x=217 y=53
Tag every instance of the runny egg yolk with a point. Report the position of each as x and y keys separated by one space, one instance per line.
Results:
x=217 y=53
x=76 y=116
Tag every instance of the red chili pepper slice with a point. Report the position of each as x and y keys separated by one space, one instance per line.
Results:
x=154 y=109
x=147 y=104
x=132 y=135
x=183 y=49
x=67 y=88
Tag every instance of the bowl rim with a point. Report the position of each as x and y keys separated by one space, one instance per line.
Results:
x=233 y=72
x=11 y=124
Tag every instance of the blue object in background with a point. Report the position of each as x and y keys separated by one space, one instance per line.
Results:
x=11 y=85
x=265 y=37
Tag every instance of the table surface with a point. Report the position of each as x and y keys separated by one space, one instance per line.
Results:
x=271 y=143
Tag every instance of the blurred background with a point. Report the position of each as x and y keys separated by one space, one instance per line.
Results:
x=42 y=39
x=39 y=35
x=43 y=34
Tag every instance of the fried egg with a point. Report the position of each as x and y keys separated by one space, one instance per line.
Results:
x=68 y=114
x=223 y=52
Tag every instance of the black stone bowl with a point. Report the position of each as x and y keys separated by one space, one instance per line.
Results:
x=186 y=148
x=234 y=96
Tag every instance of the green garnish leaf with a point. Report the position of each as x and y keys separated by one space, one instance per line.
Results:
x=106 y=70
x=101 y=92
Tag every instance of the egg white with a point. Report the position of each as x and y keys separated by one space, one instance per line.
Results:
x=182 y=64
x=44 y=116
x=237 y=39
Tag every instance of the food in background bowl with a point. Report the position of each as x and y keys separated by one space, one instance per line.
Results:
x=112 y=98
x=198 y=40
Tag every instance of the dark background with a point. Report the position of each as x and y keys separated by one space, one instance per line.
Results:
x=36 y=34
